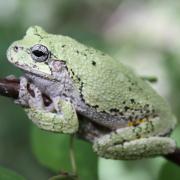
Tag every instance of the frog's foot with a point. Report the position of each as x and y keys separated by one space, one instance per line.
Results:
x=33 y=99
x=114 y=146
x=24 y=94
x=60 y=116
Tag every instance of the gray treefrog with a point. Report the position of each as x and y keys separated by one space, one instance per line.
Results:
x=81 y=79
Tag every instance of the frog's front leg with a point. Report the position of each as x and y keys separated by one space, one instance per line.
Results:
x=60 y=116
x=126 y=144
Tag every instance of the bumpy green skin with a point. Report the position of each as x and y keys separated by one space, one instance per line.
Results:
x=109 y=87
x=64 y=122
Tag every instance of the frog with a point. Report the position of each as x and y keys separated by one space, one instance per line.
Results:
x=83 y=80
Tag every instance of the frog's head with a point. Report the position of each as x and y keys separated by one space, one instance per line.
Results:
x=36 y=52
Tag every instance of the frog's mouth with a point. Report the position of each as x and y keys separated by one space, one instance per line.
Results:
x=28 y=71
x=35 y=73
x=34 y=77
x=42 y=83
x=34 y=70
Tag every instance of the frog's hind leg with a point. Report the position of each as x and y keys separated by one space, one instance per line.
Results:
x=122 y=144
x=137 y=149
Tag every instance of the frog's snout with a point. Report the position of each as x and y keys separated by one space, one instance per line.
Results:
x=12 y=52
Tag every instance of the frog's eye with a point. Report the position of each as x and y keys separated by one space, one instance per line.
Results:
x=39 y=53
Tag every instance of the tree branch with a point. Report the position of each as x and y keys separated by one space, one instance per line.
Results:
x=88 y=130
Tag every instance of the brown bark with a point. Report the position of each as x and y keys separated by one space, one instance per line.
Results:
x=88 y=130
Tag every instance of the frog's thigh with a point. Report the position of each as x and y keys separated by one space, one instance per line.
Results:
x=117 y=148
x=64 y=122
x=140 y=148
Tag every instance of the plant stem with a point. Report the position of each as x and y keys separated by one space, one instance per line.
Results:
x=72 y=156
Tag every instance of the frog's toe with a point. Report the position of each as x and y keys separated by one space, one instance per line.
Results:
x=36 y=101
x=23 y=92
x=29 y=95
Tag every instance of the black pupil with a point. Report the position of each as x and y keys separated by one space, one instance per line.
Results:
x=38 y=53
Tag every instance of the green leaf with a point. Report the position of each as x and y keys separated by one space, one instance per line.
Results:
x=169 y=171
x=86 y=161
x=52 y=151
x=130 y=170
x=6 y=174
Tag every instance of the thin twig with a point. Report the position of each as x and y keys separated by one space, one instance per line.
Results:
x=72 y=155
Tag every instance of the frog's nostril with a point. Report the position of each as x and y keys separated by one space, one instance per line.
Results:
x=15 y=48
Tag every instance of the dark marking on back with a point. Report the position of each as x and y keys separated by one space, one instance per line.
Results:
x=114 y=110
x=93 y=63
x=72 y=72
x=121 y=113
x=126 y=108
x=79 y=79
x=132 y=101
x=130 y=89
x=95 y=106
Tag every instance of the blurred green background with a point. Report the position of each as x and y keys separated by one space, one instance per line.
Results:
x=142 y=34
